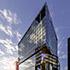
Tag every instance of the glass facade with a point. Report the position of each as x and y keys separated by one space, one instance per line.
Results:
x=68 y=53
x=39 y=33
x=32 y=39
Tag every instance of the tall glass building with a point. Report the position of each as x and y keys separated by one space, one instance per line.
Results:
x=68 y=53
x=39 y=44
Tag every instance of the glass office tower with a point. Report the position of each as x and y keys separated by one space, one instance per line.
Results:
x=68 y=53
x=39 y=44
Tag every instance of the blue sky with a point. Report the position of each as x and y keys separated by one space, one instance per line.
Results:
x=15 y=18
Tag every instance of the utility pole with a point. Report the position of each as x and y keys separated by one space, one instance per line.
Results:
x=17 y=64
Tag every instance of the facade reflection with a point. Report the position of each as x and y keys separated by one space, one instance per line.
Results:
x=40 y=38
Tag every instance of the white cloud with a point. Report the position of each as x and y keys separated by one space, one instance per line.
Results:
x=11 y=47
x=66 y=68
x=9 y=16
x=8 y=44
x=8 y=63
x=18 y=35
x=10 y=52
x=28 y=65
x=10 y=32
x=64 y=56
x=1 y=52
x=6 y=29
